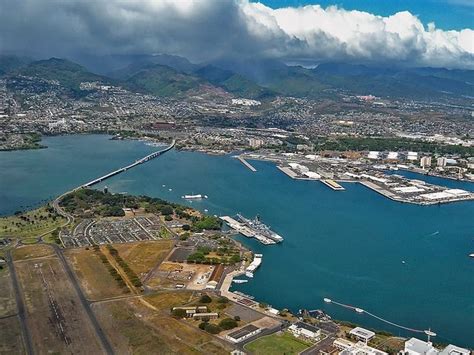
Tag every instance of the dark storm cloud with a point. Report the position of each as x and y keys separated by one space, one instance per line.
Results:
x=209 y=29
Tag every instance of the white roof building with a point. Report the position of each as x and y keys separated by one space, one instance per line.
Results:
x=412 y=156
x=392 y=155
x=362 y=348
x=312 y=175
x=416 y=346
x=362 y=334
x=301 y=329
x=373 y=155
x=454 y=350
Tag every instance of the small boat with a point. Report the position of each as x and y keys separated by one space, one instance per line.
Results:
x=359 y=310
x=194 y=197
x=471 y=255
x=170 y=189
x=240 y=281
x=327 y=300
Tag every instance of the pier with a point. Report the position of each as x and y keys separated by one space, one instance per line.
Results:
x=130 y=166
x=332 y=184
x=246 y=230
x=246 y=163
x=287 y=171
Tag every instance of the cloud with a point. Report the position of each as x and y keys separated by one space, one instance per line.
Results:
x=204 y=30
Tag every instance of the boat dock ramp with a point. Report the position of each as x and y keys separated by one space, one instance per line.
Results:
x=246 y=163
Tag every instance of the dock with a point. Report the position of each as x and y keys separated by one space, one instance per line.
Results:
x=287 y=171
x=332 y=184
x=246 y=231
x=246 y=163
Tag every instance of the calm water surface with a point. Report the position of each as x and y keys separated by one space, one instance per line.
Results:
x=348 y=246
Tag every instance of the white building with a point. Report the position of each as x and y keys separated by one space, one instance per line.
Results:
x=255 y=143
x=362 y=334
x=441 y=162
x=412 y=156
x=392 y=156
x=243 y=333
x=362 y=348
x=304 y=330
x=342 y=344
x=425 y=162
x=373 y=155
x=416 y=346
x=454 y=350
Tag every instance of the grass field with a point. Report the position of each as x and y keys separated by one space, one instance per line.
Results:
x=32 y=251
x=95 y=279
x=166 y=300
x=55 y=317
x=29 y=224
x=133 y=327
x=11 y=340
x=7 y=297
x=278 y=343
x=143 y=256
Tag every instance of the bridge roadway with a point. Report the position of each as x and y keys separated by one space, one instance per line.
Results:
x=125 y=168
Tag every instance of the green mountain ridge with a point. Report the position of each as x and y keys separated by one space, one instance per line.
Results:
x=161 y=80
x=67 y=73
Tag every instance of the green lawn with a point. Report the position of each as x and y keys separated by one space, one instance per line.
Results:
x=30 y=224
x=277 y=344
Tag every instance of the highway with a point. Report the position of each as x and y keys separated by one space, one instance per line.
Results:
x=20 y=305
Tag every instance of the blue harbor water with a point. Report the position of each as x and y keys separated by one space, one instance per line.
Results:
x=406 y=263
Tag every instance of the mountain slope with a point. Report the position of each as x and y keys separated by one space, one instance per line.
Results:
x=233 y=83
x=9 y=63
x=67 y=73
x=161 y=80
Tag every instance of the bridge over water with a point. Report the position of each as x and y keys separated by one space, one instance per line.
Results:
x=125 y=168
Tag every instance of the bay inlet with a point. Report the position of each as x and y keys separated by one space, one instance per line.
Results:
x=404 y=262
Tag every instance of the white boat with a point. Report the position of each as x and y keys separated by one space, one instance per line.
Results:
x=471 y=255
x=240 y=281
x=359 y=310
x=194 y=197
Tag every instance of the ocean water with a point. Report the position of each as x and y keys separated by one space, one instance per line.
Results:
x=408 y=264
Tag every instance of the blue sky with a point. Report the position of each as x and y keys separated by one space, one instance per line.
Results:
x=446 y=14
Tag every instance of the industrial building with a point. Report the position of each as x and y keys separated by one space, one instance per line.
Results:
x=243 y=333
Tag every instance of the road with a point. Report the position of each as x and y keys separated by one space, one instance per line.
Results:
x=20 y=305
x=85 y=303
x=315 y=349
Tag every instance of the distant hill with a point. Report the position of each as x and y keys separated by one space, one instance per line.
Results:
x=417 y=83
x=132 y=64
x=276 y=76
x=386 y=81
x=67 y=73
x=173 y=76
x=9 y=63
x=234 y=83
x=161 y=80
